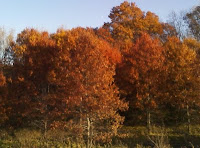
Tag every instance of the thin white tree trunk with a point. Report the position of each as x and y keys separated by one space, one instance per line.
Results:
x=188 y=120
x=148 y=121
x=88 y=133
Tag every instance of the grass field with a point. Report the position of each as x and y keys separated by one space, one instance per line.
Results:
x=130 y=137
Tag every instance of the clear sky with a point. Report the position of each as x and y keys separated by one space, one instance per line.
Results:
x=51 y=14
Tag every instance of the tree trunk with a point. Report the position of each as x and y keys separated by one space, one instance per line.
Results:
x=188 y=120
x=45 y=128
x=89 y=138
x=148 y=121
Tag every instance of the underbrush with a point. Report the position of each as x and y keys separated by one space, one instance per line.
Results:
x=129 y=137
x=28 y=138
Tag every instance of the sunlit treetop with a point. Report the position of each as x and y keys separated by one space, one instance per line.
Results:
x=128 y=21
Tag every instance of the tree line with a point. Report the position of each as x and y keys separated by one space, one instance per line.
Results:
x=133 y=70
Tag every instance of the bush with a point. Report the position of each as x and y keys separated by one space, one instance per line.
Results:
x=159 y=137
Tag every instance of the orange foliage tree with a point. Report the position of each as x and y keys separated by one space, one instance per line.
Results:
x=182 y=80
x=67 y=76
x=3 y=97
x=139 y=74
x=128 y=21
x=33 y=94
x=84 y=75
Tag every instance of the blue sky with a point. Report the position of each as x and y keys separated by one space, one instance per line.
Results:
x=51 y=14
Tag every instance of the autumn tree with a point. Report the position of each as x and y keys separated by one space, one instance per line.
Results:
x=138 y=75
x=5 y=40
x=84 y=76
x=193 y=20
x=66 y=76
x=181 y=85
x=193 y=44
x=33 y=94
x=105 y=34
x=128 y=21
x=168 y=31
x=3 y=95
